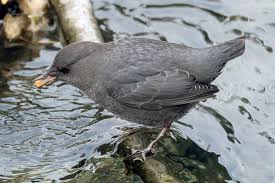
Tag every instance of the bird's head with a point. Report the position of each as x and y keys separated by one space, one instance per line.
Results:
x=66 y=65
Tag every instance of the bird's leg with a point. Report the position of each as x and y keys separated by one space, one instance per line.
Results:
x=149 y=150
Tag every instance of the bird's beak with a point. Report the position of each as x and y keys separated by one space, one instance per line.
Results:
x=43 y=80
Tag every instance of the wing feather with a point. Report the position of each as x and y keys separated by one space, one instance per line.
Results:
x=154 y=89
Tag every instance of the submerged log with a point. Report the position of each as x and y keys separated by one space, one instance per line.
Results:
x=79 y=24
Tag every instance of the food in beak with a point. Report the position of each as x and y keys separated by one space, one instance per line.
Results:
x=41 y=81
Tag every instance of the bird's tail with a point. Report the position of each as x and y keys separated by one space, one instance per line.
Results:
x=231 y=49
x=219 y=55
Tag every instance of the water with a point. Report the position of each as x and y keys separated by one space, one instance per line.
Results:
x=58 y=133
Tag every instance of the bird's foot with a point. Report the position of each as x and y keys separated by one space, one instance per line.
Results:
x=148 y=152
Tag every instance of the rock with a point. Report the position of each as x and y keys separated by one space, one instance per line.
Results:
x=4 y=2
x=14 y=26
x=33 y=8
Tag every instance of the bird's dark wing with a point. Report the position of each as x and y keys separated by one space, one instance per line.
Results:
x=154 y=89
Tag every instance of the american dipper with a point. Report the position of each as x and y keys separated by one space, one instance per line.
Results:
x=142 y=80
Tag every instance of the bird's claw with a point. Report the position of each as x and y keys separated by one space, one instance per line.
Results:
x=147 y=152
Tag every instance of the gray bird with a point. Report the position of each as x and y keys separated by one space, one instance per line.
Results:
x=142 y=80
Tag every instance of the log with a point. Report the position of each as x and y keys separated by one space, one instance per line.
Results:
x=77 y=20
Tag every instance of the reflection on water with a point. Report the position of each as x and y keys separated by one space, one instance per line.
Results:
x=57 y=133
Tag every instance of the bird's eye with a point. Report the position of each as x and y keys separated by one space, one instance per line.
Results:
x=64 y=70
